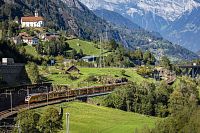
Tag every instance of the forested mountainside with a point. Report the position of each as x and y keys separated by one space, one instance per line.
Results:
x=177 y=20
x=78 y=20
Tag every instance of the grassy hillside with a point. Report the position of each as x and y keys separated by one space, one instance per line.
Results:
x=31 y=51
x=86 y=118
x=87 y=47
x=57 y=77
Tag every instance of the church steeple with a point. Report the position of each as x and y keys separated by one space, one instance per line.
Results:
x=36 y=13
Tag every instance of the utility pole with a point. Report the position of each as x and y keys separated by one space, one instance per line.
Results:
x=67 y=122
x=100 y=59
x=47 y=95
x=11 y=100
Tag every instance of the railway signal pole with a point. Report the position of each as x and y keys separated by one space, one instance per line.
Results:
x=67 y=122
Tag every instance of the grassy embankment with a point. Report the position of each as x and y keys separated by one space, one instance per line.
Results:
x=86 y=118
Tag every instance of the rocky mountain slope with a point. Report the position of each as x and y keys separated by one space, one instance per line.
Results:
x=198 y=53
x=78 y=20
x=186 y=30
x=116 y=18
x=158 y=16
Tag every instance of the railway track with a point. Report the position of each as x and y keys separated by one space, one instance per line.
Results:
x=7 y=113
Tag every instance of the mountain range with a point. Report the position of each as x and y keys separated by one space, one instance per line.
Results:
x=76 y=19
x=177 y=21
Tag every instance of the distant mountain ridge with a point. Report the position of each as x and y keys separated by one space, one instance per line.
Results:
x=159 y=16
x=78 y=20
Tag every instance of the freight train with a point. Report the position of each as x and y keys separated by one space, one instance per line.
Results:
x=40 y=97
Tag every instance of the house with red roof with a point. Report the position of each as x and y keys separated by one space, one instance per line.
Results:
x=32 y=21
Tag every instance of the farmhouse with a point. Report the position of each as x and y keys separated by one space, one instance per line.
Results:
x=34 y=21
x=30 y=40
x=73 y=69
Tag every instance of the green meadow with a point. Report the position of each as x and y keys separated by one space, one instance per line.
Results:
x=88 y=118
x=58 y=77
x=87 y=47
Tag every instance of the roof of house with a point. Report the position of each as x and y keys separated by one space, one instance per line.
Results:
x=88 y=57
x=32 y=19
x=51 y=37
x=72 y=68
x=30 y=38
x=23 y=34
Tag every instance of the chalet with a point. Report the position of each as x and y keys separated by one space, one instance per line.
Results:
x=30 y=40
x=34 y=21
x=49 y=36
x=89 y=58
x=73 y=69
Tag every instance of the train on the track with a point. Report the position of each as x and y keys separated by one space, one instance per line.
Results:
x=69 y=93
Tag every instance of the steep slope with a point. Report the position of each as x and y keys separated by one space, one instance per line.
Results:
x=116 y=18
x=159 y=16
x=78 y=20
x=70 y=15
x=186 y=30
x=198 y=53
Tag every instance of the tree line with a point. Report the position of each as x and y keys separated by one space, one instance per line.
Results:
x=31 y=121
x=155 y=99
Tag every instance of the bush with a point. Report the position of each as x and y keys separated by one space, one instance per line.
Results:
x=91 y=78
x=123 y=72
x=73 y=77
x=145 y=71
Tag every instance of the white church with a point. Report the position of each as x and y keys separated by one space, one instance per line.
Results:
x=34 y=21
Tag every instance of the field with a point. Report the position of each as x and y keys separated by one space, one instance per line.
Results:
x=86 y=118
x=87 y=47
x=57 y=77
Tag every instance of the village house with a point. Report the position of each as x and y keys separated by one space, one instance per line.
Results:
x=23 y=34
x=72 y=69
x=34 y=21
x=32 y=41
x=89 y=58
x=49 y=36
